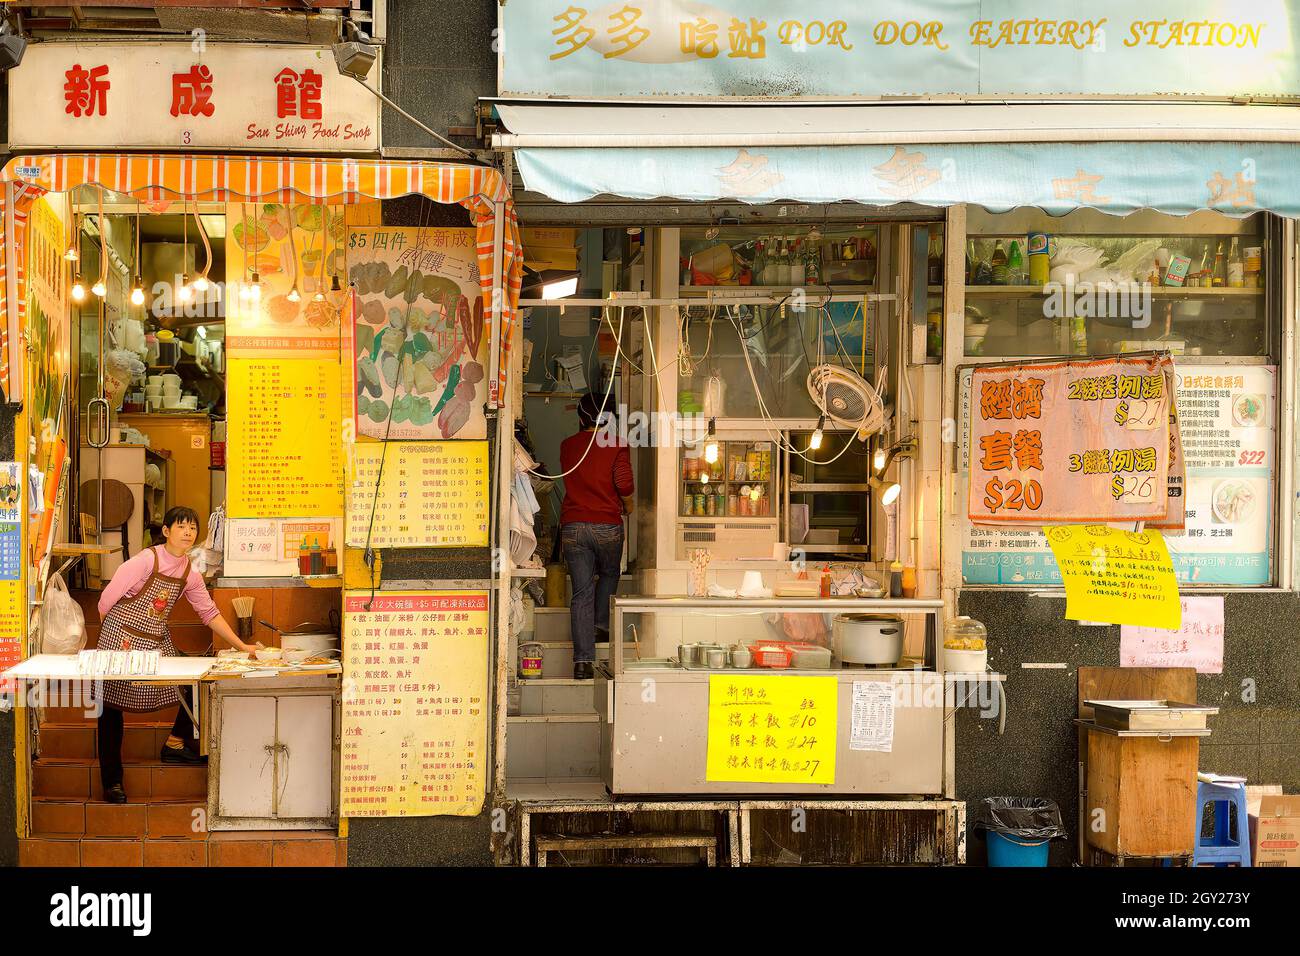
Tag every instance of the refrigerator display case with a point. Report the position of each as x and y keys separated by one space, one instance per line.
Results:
x=729 y=506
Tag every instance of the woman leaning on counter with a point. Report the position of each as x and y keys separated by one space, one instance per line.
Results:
x=134 y=609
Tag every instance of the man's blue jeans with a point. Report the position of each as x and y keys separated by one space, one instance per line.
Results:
x=593 y=553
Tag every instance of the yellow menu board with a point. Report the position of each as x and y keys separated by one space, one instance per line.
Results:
x=771 y=728
x=432 y=494
x=415 y=673
x=284 y=446
x=1114 y=576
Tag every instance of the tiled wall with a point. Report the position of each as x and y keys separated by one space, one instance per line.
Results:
x=285 y=608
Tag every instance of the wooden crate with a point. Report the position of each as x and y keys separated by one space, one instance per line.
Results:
x=1141 y=794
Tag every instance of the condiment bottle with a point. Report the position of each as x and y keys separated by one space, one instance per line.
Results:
x=317 y=560
x=331 y=560
x=826 y=581
x=304 y=558
x=896 y=579
x=909 y=582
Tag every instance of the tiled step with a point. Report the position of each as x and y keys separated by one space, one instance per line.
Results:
x=557 y=657
x=268 y=848
x=72 y=741
x=556 y=695
x=156 y=819
x=143 y=780
x=554 y=746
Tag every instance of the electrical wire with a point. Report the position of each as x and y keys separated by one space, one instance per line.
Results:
x=368 y=554
x=609 y=387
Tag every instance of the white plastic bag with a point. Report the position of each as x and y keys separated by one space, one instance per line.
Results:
x=63 y=626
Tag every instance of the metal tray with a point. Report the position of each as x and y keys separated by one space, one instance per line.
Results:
x=1150 y=714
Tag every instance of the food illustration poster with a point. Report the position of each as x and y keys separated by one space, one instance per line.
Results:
x=419 y=342
x=288 y=246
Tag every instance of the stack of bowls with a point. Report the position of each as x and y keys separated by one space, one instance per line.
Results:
x=171 y=391
x=153 y=392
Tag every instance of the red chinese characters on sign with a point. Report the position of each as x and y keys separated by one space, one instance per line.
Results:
x=192 y=92
x=86 y=91
x=298 y=94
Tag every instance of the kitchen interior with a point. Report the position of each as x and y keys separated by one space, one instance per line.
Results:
x=785 y=518
x=148 y=302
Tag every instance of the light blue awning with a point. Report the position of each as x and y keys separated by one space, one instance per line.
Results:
x=1236 y=179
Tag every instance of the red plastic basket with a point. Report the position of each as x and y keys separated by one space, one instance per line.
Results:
x=771 y=654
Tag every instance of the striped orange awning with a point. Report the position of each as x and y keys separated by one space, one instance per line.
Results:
x=277 y=179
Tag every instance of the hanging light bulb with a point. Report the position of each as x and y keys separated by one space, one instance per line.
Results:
x=711 y=444
x=879 y=458
x=335 y=284
x=704 y=477
x=99 y=288
x=816 y=441
x=319 y=296
x=137 y=292
x=78 y=289
x=72 y=255
x=294 y=295
x=184 y=292
x=201 y=283
x=255 y=288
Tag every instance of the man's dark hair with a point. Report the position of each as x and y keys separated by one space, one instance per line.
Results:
x=589 y=413
x=181 y=514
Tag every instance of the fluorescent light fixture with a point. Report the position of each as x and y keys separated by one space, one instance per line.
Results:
x=560 y=288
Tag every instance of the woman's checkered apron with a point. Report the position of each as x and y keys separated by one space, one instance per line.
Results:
x=140 y=624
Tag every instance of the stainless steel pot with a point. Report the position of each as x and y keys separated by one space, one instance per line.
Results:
x=686 y=653
x=309 y=640
x=717 y=657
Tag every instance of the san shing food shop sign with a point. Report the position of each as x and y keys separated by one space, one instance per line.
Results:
x=188 y=96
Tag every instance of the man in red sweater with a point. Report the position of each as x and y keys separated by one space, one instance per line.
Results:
x=597 y=493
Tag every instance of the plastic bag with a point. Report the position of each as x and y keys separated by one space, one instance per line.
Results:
x=63 y=626
x=1030 y=818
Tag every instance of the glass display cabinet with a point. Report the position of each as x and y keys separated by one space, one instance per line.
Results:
x=1078 y=286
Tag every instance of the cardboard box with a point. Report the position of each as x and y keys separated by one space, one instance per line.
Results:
x=1277 y=832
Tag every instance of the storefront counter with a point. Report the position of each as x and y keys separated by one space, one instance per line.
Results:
x=674 y=728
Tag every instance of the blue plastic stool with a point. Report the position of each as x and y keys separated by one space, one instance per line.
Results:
x=1219 y=849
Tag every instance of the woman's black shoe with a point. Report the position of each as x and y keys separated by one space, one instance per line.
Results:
x=182 y=755
x=582 y=670
x=115 y=794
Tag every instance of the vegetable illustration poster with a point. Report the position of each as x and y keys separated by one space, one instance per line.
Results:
x=420 y=347
x=284 y=248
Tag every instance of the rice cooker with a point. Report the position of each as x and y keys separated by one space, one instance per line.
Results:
x=868 y=638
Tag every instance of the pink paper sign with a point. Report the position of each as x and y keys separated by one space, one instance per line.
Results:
x=1198 y=643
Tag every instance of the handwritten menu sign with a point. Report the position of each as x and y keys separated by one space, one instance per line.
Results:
x=418 y=339
x=431 y=495
x=1119 y=577
x=11 y=595
x=414 y=703
x=1070 y=442
x=1197 y=643
x=772 y=729
x=284 y=433
x=252 y=540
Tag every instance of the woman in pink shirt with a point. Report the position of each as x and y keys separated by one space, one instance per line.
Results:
x=134 y=609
